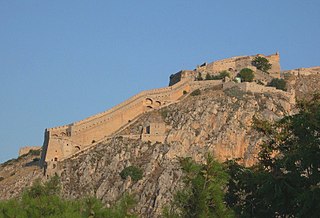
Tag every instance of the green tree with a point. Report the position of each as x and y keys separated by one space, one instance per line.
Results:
x=279 y=84
x=285 y=182
x=134 y=172
x=262 y=64
x=203 y=195
x=246 y=75
x=43 y=200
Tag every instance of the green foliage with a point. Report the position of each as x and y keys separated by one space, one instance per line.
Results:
x=220 y=76
x=42 y=200
x=262 y=64
x=203 y=195
x=164 y=113
x=246 y=75
x=285 y=182
x=196 y=92
x=278 y=83
x=134 y=172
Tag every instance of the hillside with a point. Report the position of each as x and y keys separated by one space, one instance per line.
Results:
x=213 y=120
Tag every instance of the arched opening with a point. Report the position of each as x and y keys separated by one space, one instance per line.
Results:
x=55 y=159
x=157 y=103
x=77 y=148
x=149 y=107
x=63 y=134
x=55 y=135
x=148 y=101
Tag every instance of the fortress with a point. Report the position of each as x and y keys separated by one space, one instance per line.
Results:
x=64 y=141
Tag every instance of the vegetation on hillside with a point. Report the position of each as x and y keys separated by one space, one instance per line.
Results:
x=286 y=180
x=203 y=195
x=43 y=200
x=220 y=76
x=262 y=64
x=246 y=75
x=278 y=84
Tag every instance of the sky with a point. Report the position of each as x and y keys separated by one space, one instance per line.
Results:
x=62 y=61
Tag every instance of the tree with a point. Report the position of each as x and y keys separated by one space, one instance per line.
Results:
x=286 y=180
x=262 y=64
x=246 y=75
x=278 y=84
x=203 y=195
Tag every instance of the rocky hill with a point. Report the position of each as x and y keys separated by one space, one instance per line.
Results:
x=214 y=120
x=17 y=174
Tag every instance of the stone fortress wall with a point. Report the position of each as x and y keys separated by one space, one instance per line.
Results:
x=303 y=71
x=64 y=141
x=25 y=150
x=233 y=65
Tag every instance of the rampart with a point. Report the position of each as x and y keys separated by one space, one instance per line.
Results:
x=25 y=150
x=303 y=71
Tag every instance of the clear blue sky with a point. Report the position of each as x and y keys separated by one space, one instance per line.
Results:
x=61 y=61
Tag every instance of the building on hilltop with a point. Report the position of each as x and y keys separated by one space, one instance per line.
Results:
x=232 y=65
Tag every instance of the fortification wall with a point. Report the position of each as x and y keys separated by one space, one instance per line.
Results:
x=233 y=65
x=26 y=149
x=66 y=140
x=303 y=71
x=256 y=88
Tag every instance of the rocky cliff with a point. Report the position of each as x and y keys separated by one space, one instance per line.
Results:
x=215 y=121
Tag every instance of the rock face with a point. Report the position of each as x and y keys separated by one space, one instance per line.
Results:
x=216 y=121
x=17 y=174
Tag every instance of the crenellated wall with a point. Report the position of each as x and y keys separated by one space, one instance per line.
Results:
x=64 y=141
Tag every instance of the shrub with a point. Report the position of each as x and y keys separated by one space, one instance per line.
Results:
x=246 y=75
x=221 y=75
x=278 y=84
x=195 y=92
x=134 y=172
x=262 y=64
x=1 y=178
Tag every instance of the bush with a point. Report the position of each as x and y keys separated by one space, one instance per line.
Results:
x=195 y=92
x=262 y=64
x=220 y=76
x=278 y=84
x=134 y=172
x=43 y=200
x=246 y=75
x=1 y=178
